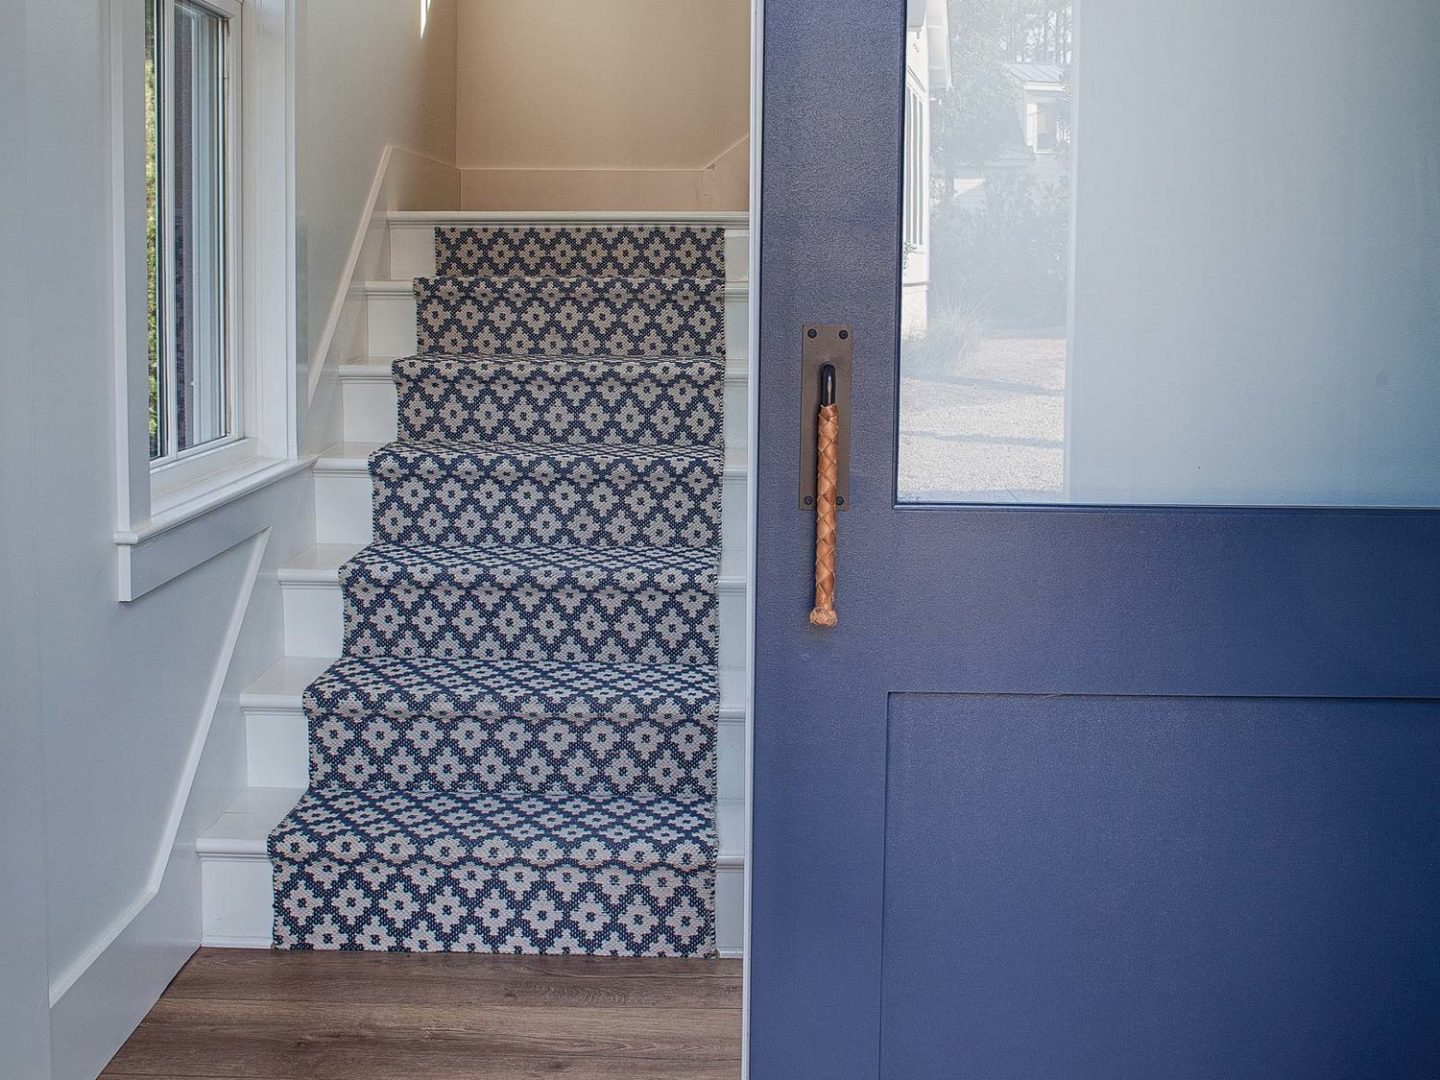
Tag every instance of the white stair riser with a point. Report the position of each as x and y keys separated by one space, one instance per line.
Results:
x=313 y=616
x=238 y=898
x=412 y=251
x=278 y=752
x=344 y=502
x=390 y=323
x=369 y=409
x=237 y=901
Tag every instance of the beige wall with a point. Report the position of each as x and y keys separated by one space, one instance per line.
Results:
x=724 y=185
x=625 y=104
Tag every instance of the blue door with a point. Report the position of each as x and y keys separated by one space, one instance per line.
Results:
x=1123 y=759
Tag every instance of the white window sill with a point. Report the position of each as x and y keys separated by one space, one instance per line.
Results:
x=180 y=480
x=197 y=521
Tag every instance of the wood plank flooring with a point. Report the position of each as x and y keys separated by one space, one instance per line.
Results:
x=244 y=1015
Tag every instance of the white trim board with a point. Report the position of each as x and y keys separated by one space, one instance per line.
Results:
x=343 y=337
x=171 y=545
x=367 y=247
x=263 y=448
x=754 y=240
x=62 y=982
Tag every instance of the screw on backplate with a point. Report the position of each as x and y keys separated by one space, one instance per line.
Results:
x=811 y=332
x=839 y=500
x=844 y=335
x=809 y=500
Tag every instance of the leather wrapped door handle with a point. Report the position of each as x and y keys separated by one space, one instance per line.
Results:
x=827 y=457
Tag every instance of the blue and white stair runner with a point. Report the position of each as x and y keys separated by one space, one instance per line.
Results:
x=517 y=751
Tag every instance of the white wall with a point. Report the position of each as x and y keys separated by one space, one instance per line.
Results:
x=119 y=695
x=24 y=984
x=629 y=104
x=366 y=78
x=121 y=736
x=1257 y=311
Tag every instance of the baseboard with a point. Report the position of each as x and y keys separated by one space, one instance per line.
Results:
x=107 y=1000
x=220 y=941
x=97 y=1000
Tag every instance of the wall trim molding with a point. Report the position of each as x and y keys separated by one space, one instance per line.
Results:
x=346 y=296
x=752 y=463
x=343 y=337
x=194 y=532
x=63 y=981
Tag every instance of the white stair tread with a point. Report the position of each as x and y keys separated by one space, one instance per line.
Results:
x=347 y=457
x=369 y=367
x=320 y=565
x=243 y=829
x=354 y=457
x=281 y=687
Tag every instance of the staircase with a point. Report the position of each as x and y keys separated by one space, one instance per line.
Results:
x=529 y=737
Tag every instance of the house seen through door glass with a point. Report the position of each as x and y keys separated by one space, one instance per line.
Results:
x=1032 y=372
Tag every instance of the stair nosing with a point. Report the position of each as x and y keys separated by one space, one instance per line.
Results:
x=327 y=576
x=249 y=848
x=273 y=701
x=293 y=703
x=379 y=369
x=245 y=850
x=733 y=290
x=288 y=701
x=350 y=463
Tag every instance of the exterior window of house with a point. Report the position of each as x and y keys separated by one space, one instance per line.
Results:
x=1045 y=126
x=1159 y=326
x=191 y=92
x=915 y=168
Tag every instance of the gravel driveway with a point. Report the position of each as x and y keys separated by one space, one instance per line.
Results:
x=992 y=432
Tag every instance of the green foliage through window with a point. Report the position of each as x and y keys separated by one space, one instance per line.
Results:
x=152 y=226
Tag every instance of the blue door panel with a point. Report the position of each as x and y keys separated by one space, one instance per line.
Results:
x=1118 y=888
x=1207 y=840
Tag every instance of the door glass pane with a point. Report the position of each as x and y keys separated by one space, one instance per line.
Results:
x=1137 y=284
x=988 y=148
x=198 y=243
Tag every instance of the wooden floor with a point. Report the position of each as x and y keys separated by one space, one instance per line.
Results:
x=403 y=1016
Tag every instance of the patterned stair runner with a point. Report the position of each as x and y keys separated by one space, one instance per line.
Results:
x=517 y=751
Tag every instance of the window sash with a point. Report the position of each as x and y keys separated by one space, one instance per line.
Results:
x=214 y=205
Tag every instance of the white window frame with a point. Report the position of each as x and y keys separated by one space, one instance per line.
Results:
x=263 y=447
x=172 y=472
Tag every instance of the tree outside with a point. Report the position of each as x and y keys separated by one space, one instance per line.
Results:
x=1008 y=256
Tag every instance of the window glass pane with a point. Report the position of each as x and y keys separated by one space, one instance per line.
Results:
x=1134 y=286
x=198 y=240
x=152 y=222
x=983 y=353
